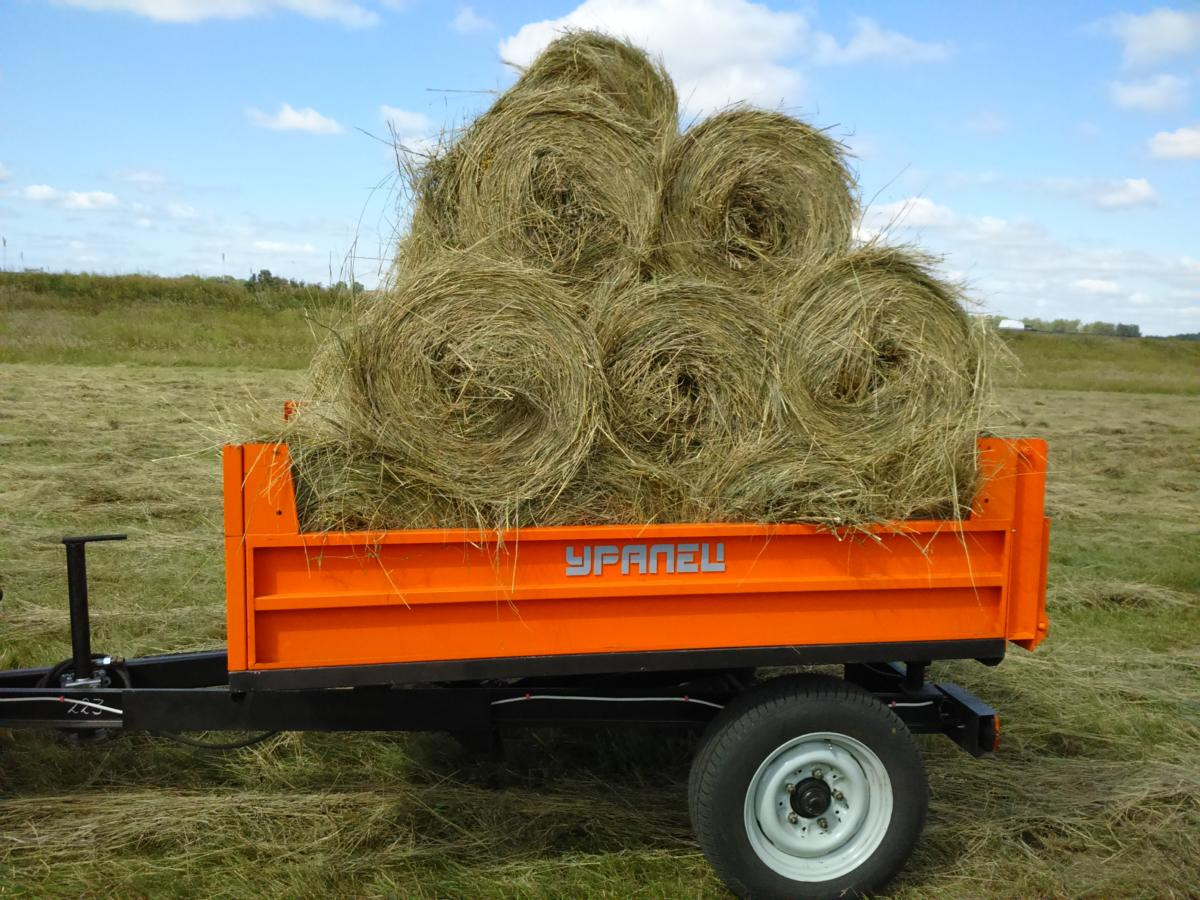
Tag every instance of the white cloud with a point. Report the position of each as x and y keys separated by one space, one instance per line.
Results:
x=1096 y=286
x=1154 y=37
x=411 y=131
x=346 y=12
x=870 y=42
x=4 y=172
x=86 y=200
x=180 y=211
x=89 y=200
x=1113 y=193
x=468 y=21
x=289 y=119
x=39 y=192
x=1183 y=143
x=1018 y=268
x=723 y=51
x=718 y=51
x=987 y=122
x=911 y=212
x=405 y=121
x=1129 y=192
x=285 y=248
x=1162 y=92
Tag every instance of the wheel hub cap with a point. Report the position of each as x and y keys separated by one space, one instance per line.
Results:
x=811 y=797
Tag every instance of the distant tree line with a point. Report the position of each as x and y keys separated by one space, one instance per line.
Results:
x=262 y=289
x=263 y=280
x=1075 y=326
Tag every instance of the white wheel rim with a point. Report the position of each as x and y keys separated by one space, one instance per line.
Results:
x=840 y=839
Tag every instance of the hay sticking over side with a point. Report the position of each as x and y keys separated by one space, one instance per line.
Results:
x=554 y=178
x=689 y=368
x=616 y=69
x=779 y=480
x=467 y=392
x=748 y=191
x=882 y=368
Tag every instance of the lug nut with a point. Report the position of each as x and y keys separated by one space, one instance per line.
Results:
x=823 y=823
x=793 y=818
x=839 y=796
x=817 y=773
x=789 y=788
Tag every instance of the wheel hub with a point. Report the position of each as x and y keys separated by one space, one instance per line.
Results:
x=818 y=806
x=811 y=797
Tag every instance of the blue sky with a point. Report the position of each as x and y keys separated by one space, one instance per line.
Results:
x=1050 y=151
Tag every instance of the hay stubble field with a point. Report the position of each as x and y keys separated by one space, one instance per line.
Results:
x=110 y=418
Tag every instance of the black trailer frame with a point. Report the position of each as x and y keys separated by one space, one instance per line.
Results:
x=193 y=691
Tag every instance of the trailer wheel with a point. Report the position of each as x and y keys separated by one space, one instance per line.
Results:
x=807 y=787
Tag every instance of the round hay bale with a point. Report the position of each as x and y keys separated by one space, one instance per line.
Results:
x=473 y=378
x=615 y=69
x=556 y=179
x=747 y=191
x=778 y=480
x=337 y=490
x=613 y=488
x=688 y=366
x=884 y=370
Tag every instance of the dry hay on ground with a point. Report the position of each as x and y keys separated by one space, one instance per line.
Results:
x=468 y=390
x=884 y=371
x=747 y=191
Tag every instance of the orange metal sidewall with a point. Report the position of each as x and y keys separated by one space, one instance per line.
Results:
x=302 y=600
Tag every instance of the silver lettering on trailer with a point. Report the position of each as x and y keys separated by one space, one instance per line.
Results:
x=646 y=559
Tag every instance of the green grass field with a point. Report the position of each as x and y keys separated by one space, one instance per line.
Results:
x=110 y=419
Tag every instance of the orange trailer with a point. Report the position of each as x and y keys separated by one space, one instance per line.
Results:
x=803 y=785
x=327 y=609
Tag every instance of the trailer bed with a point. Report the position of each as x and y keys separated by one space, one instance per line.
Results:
x=312 y=610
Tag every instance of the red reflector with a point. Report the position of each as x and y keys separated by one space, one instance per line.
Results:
x=996 y=733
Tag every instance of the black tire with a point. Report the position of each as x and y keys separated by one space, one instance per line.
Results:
x=761 y=722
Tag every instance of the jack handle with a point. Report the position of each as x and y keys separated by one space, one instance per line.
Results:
x=77 y=594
